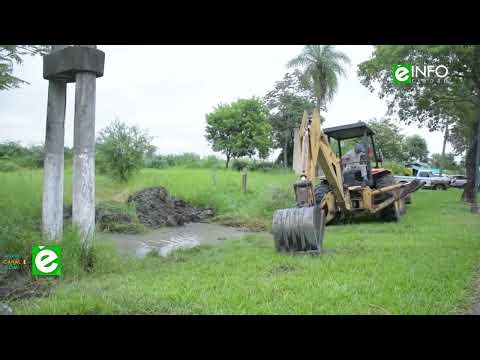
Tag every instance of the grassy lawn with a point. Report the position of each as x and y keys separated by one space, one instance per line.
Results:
x=423 y=265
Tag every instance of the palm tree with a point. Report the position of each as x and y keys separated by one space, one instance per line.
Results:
x=321 y=66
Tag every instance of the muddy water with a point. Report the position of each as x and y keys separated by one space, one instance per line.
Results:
x=168 y=239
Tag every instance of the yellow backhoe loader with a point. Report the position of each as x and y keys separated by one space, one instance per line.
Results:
x=346 y=185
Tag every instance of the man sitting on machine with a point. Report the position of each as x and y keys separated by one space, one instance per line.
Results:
x=354 y=163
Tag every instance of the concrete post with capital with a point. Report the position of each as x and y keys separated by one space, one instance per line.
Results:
x=82 y=65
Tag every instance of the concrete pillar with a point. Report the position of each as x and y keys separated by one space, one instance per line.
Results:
x=83 y=200
x=52 y=203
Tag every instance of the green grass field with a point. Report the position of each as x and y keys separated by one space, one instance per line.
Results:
x=425 y=264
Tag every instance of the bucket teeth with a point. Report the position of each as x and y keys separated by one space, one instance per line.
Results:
x=299 y=229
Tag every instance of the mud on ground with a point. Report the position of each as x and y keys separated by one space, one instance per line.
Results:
x=16 y=285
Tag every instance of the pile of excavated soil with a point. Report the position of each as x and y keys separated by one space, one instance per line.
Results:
x=155 y=208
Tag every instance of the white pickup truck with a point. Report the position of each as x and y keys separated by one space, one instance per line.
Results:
x=431 y=180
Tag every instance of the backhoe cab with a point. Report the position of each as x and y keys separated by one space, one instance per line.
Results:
x=347 y=184
x=356 y=163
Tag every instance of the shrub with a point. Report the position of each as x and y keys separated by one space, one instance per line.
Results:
x=121 y=150
x=6 y=166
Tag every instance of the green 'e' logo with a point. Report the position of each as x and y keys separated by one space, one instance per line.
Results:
x=46 y=260
x=402 y=74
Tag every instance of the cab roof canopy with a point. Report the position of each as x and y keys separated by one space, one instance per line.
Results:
x=349 y=131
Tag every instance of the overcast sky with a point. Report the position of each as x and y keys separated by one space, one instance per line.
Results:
x=169 y=89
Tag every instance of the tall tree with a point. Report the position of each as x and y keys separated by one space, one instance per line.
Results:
x=287 y=101
x=240 y=129
x=321 y=66
x=388 y=138
x=415 y=148
x=11 y=55
x=434 y=101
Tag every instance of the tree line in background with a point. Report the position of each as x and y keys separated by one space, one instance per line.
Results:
x=121 y=152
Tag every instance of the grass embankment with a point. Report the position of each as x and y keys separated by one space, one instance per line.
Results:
x=423 y=265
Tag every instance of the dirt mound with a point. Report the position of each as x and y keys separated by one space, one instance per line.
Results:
x=155 y=208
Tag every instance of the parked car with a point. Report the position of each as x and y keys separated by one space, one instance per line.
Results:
x=431 y=180
x=458 y=181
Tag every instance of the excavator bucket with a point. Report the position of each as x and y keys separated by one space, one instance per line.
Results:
x=299 y=229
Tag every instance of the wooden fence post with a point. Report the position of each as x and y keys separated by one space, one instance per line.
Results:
x=244 y=182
